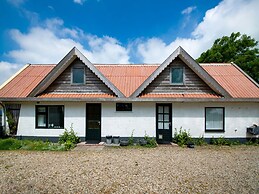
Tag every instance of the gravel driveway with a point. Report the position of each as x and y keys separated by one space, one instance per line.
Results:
x=169 y=169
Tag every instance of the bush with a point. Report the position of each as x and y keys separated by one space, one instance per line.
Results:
x=10 y=144
x=69 y=138
x=200 y=141
x=182 y=137
x=15 y=144
x=151 y=142
x=223 y=141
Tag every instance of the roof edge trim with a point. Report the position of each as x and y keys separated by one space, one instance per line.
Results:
x=243 y=72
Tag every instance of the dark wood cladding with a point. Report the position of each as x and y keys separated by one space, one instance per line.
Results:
x=192 y=84
x=92 y=83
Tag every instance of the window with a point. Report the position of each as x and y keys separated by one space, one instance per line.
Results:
x=123 y=106
x=177 y=75
x=50 y=117
x=214 y=119
x=78 y=75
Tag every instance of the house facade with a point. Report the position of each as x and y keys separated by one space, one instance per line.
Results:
x=208 y=100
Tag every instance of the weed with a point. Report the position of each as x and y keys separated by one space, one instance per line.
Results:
x=182 y=137
x=131 y=139
x=69 y=138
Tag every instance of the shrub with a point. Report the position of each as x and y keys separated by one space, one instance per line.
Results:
x=69 y=137
x=182 y=137
x=10 y=144
x=223 y=141
x=151 y=142
x=200 y=141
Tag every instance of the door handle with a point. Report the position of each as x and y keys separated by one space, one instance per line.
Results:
x=99 y=122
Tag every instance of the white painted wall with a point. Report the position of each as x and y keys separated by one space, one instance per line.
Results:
x=190 y=116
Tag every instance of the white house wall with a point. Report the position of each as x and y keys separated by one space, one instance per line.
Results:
x=189 y=116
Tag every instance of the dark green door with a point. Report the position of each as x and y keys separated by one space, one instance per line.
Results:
x=93 y=123
x=164 y=123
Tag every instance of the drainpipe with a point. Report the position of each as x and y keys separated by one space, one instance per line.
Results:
x=4 y=116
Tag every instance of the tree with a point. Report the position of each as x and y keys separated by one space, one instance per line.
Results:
x=240 y=49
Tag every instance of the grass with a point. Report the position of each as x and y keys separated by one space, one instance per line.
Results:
x=14 y=144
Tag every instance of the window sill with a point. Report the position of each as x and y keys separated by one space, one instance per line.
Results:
x=214 y=130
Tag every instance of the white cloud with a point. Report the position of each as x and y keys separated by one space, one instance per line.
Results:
x=16 y=2
x=188 y=10
x=81 y=2
x=8 y=70
x=229 y=16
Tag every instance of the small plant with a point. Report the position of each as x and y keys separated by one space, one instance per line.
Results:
x=200 y=141
x=223 y=141
x=151 y=142
x=69 y=138
x=182 y=137
x=131 y=139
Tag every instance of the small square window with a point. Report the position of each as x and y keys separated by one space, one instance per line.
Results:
x=123 y=106
x=177 y=75
x=78 y=75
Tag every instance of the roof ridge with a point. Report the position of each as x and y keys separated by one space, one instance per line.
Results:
x=123 y=65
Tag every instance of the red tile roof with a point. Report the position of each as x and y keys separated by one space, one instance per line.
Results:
x=127 y=78
x=232 y=79
x=166 y=95
x=23 y=83
x=75 y=95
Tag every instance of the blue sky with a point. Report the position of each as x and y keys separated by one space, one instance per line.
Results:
x=116 y=31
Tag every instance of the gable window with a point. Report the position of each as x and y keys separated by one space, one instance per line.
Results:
x=177 y=75
x=123 y=106
x=50 y=116
x=78 y=75
x=214 y=119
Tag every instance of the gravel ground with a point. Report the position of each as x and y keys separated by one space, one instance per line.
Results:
x=168 y=169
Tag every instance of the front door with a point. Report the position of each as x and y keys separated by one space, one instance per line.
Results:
x=164 y=123
x=93 y=123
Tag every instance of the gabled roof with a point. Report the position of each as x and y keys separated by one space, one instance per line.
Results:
x=129 y=80
x=189 y=61
x=63 y=64
x=236 y=82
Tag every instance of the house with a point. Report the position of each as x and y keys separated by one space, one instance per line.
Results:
x=209 y=100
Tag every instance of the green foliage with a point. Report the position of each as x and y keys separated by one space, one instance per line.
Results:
x=254 y=142
x=182 y=137
x=131 y=139
x=240 y=49
x=10 y=144
x=200 y=141
x=69 y=137
x=223 y=141
x=151 y=142
x=15 y=144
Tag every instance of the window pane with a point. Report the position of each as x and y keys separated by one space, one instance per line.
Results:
x=123 y=106
x=78 y=75
x=166 y=109
x=177 y=75
x=214 y=119
x=160 y=117
x=160 y=109
x=160 y=125
x=41 y=109
x=55 y=117
x=41 y=121
x=166 y=117
x=166 y=125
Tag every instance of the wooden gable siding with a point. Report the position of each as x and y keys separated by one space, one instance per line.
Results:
x=192 y=82
x=92 y=83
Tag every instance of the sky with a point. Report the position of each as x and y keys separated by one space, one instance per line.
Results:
x=116 y=31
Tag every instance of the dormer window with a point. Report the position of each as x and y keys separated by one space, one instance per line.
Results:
x=78 y=75
x=177 y=75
